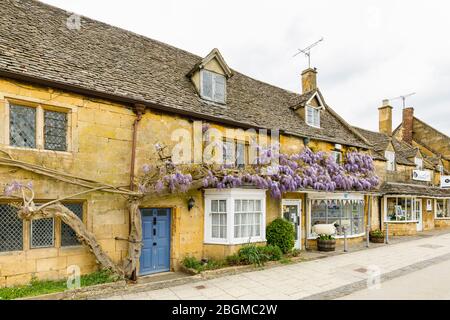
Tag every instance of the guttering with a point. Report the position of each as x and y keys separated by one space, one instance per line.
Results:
x=139 y=110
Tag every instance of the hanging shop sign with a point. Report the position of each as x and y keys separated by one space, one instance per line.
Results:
x=445 y=181
x=421 y=175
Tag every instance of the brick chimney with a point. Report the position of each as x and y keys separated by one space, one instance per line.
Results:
x=407 y=124
x=309 y=80
x=385 y=118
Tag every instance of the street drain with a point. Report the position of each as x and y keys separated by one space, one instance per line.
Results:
x=431 y=246
x=362 y=270
x=200 y=287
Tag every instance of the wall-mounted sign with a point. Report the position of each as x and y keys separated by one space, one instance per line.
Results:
x=445 y=181
x=421 y=175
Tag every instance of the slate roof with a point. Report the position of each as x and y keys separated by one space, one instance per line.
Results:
x=36 y=43
x=413 y=189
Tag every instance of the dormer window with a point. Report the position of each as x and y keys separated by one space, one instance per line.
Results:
x=419 y=163
x=313 y=116
x=212 y=86
x=390 y=157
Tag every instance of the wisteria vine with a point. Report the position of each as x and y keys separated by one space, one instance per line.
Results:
x=305 y=170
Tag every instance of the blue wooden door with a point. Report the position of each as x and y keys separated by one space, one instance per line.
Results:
x=155 y=255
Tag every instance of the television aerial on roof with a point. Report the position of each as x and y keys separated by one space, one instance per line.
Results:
x=307 y=51
x=403 y=98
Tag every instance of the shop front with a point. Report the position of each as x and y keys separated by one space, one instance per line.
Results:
x=403 y=214
x=346 y=211
x=442 y=212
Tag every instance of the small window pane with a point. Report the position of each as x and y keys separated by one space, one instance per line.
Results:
x=214 y=206
x=207 y=85
x=223 y=206
x=11 y=229
x=68 y=236
x=237 y=205
x=219 y=88
x=22 y=126
x=42 y=233
x=55 y=130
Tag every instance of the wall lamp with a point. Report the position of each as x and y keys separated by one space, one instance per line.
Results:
x=191 y=203
x=306 y=141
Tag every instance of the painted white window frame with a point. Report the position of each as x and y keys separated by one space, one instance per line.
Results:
x=213 y=86
x=413 y=208
x=40 y=106
x=391 y=161
x=419 y=163
x=298 y=203
x=336 y=155
x=230 y=195
x=331 y=196
x=315 y=112
x=446 y=203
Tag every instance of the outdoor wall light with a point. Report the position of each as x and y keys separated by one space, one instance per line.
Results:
x=191 y=203
x=306 y=141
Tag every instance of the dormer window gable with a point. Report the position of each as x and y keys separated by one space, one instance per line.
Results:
x=313 y=110
x=210 y=76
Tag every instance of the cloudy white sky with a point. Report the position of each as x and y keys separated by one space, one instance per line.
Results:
x=371 y=50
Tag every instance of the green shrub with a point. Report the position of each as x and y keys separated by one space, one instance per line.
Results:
x=280 y=233
x=296 y=252
x=251 y=254
x=377 y=234
x=214 y=264
x=273 y=253
x=233 y=260
x=192 y=263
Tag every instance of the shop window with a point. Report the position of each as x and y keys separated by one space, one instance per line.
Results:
x=22 y=126
x=68 y=236
x=11 y=229
x=234 y=216
x=442 y=208
x=402 y=209
x=345 y=214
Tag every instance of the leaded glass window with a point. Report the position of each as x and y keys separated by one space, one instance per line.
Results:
x=11 y=229
x=42 y=233
x=55 y=130
x=22 y=126
x=68 y=236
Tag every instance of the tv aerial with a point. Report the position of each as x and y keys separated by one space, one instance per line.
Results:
x=307 y=51
x=403 y=98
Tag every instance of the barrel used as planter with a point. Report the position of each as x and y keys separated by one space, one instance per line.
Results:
x=376 y=239
x=326 y=245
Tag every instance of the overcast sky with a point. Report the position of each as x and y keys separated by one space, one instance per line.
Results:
x=371 y=50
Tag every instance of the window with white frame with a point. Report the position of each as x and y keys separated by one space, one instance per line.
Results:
x=234 y=216
x=403 y=209
x=234 y=153
x=390 y=157
x=344 y=212
x=419 y=163
x=313 y=116
x=442 y=208
x=337 y=156
x=36 y=127
x=212 y=86
x=440 y=168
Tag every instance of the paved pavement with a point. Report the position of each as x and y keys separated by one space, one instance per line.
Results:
x=328 y=278
x=432 y=283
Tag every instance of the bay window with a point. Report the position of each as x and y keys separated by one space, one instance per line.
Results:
x=345 y=211
x=442 y=208
x=234 y=216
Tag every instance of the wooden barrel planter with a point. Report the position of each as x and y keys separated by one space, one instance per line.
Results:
x=376 y=239
x=326 y=245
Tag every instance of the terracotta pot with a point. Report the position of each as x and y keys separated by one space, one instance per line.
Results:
x=326 y=245
x=376 y=239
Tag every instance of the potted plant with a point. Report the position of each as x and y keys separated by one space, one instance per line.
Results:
x=376 y=236
x=326 y=242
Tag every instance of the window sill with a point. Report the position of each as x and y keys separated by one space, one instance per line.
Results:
x=64 y=153
x=442 y=218
x=234 y=242
x=406 y=221
x=341 y=237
